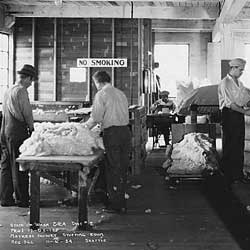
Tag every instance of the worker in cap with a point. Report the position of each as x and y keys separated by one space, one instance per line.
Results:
x=230 y=92
x=237 y=62
x=163 y=106
x=163 y=102
x=164 y=93
x=17 y=125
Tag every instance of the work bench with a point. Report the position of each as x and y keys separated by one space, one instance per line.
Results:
x=80 y=164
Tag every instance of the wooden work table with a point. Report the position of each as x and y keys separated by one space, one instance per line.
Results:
x=81 y=164
x=153 y=119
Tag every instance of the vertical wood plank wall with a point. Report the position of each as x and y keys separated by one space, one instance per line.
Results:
x=100 y=43
x=126 y=45
x=80 y=38
x=72 y=42
x=44 y=58
x=23 y=47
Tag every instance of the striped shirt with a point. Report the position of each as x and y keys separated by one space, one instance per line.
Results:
x=110 y=107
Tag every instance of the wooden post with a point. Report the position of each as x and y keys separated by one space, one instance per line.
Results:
x=193 y=112
x=35 y=199
x=90 y=99
x=34 y=59
x=113 y=52
x=55 y=60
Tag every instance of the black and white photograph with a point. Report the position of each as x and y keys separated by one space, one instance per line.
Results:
x=125 y=125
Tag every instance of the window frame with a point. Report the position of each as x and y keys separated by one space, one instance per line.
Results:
x=6 y=65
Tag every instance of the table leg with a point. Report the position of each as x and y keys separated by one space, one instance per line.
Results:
x=82 y=202
x=35 y=199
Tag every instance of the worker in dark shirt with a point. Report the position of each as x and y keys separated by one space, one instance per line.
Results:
x=17 y=125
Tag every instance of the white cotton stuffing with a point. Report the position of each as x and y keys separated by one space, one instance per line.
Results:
x=66 y=138
x=192 y=155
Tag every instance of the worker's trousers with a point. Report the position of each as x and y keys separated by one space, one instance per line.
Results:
x=117 y=142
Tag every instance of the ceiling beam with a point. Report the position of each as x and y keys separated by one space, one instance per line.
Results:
x=160 y=25
x=72 y=11
x=6 y=22
x=244 y=14
x=184 y=12
x=241 y=25
x=124 y=11
x=2 y=14
x=146 y=1
x=229 y=12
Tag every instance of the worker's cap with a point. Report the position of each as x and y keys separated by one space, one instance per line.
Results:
x=164 y=93
x=237 y=62
x=28 y=70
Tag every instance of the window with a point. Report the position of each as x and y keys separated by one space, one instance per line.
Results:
x=4 y=64
x=173 y=62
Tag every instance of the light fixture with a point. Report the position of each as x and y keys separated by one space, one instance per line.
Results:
x=58 y=2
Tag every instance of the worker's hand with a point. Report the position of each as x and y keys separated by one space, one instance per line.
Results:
x=84 y=124
x=158 y=102
x=247 y=112
x=30 y=130
x=96 y=129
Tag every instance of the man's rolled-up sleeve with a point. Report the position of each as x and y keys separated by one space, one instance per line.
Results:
x=98 y=108
x=224 y=95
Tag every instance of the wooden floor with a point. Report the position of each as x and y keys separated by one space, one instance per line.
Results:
x=191 y=216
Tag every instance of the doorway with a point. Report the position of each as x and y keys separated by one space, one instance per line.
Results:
x=173 y=62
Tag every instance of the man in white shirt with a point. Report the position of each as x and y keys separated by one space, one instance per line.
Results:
x=233 y=124
x=110 y=109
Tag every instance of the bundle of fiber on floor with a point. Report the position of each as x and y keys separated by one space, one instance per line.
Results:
x=195 y=154
x=66 y=138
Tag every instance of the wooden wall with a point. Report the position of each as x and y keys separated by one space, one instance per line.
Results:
x=72 y=43
x=54 y=44
x=23 y=47
x=126 y=37
x=100 y=44
x=44 y=54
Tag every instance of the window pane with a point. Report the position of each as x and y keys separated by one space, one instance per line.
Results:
x=5 y=40
x=246 y=74
x=2 y=91
x=4 y=77
x=3 y=60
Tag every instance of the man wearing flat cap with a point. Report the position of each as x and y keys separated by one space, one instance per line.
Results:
x=163 y=106
x=233 y=125
x=17 y=125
